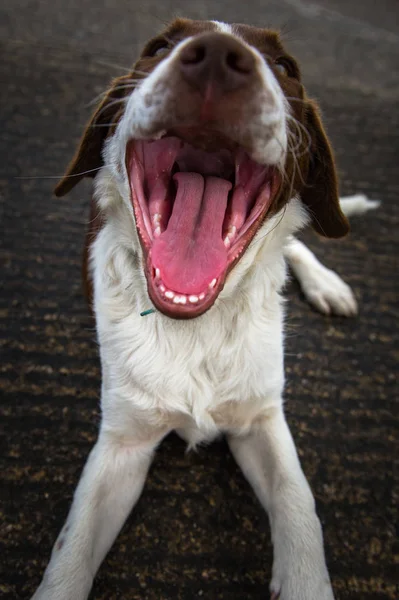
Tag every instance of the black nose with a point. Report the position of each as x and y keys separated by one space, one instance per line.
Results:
x=218 y=58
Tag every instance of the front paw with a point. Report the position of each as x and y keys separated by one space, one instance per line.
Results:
x=299 y=568
x=328 y=293
x=301 y=586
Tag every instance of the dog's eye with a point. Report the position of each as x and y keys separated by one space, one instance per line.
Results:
x=284 y=66
x=158 y=48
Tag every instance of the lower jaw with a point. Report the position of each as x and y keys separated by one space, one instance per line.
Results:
x=181 y=306
x=189 y=306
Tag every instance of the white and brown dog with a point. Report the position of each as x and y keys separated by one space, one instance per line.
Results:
x=207 y=158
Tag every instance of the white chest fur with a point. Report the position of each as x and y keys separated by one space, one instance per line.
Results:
x=218 y=371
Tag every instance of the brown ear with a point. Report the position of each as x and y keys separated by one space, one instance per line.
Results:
x=321 y=191
x=88 y=157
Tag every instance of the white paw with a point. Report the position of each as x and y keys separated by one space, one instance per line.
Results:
x=299 y=568
x=328 y=293
x=303 y=587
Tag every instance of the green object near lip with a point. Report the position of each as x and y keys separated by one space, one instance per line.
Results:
x=147 y=312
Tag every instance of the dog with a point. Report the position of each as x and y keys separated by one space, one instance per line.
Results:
x=207 y=158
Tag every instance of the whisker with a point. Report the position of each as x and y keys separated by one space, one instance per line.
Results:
x=61 y=176
x=68 y=49
x=106 y=92
x=140 y=72
x=302 y=128
x=173 y=43
x=291 y=147
x=106 y=63
x=98 y=125
x=281 y=169
x=294 y=99
x=106 y=107
x=273 y=228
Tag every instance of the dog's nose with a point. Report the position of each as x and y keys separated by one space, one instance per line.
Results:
x=218 y=58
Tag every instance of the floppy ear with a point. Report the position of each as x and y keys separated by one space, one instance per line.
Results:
x=88 y=157
x=320 y=194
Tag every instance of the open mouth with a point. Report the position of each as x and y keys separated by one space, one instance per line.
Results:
x=197 y=208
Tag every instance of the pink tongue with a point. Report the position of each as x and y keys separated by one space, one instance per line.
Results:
x=190 y=253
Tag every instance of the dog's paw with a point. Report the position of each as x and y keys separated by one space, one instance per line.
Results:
x=300 y=580
x=299 y=568
x=300 y=590
x=328 y=293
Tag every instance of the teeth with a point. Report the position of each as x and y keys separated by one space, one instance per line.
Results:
x=231 y=234
x=213 y=283
x=157 y=273
x=182 y=298
x=179 y=299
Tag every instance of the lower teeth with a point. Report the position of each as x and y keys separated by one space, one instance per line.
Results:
x=181 y=298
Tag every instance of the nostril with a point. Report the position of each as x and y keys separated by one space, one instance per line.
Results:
x=216 y=59
x=239 y=62
x=193 y=55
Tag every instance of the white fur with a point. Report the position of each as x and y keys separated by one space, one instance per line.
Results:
x=323 y=288
x=220 y=372
x=358 y=204
x=223 y=27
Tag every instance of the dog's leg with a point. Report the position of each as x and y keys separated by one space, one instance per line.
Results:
x=323 y=288
x=110 y=485
x=269 y=461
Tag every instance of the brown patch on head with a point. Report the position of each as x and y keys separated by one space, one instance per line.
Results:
x=177 y=31
x=310 y=167
x=320 y=193
x=310 y=170
x=88 y=157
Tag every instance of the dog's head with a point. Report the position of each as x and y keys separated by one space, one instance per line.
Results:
x=208 y=138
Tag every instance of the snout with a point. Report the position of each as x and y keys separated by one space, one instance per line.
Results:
x=215 y=92
x=218 y=61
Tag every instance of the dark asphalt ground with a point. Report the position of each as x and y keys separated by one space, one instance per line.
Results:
x=198 y=531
